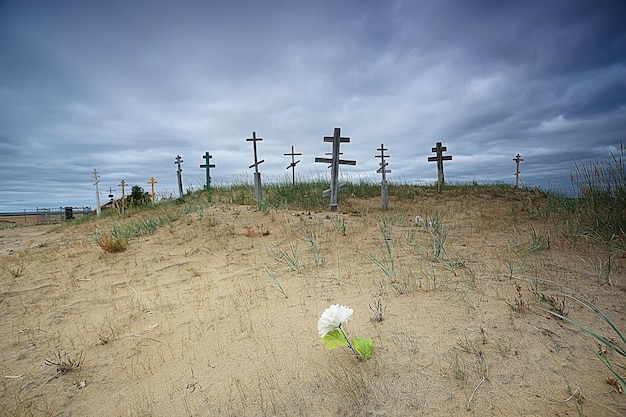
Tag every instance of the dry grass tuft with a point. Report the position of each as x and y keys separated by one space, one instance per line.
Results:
x=111 y=244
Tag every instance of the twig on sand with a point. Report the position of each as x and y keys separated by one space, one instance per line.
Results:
x=484 y=378
x=146 y=337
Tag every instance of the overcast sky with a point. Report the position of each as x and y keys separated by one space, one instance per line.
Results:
x=125 y=86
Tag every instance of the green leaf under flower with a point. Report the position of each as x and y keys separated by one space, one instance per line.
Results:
x=333 y=339
x=364 y=346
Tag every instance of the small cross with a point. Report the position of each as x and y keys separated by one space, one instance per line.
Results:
x=292 y=165
x=518 y=158
x=152 y=182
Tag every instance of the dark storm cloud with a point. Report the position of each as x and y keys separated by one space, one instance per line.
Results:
x=126 y=86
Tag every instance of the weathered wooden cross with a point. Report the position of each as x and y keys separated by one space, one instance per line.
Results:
x=292 y=165
x=258 y=194
x=123 y=184
x=178 y=161
x=152 y=182
x=208 y=165
x=518 y=158
x=383 y=170
x=98 y=209
x=334 y=162
x=440 y=158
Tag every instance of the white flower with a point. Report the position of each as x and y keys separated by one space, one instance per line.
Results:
x=333 y=317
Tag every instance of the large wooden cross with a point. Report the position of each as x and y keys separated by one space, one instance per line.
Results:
x=208 y=165
x=334 y=162
x=178 y=161
x=440 y=158
x=292 y=165
x=518 y=158
x=383 y=170
x=152 y=182
x=257 y=175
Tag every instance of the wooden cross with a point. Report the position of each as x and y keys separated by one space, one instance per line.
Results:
x=518 y=158
x=292 y=165
x=98 y=209
x=208 y=165
x=178 y=161
x=384 y=171
x=334 y=162
x=152 y=182
x=257 y=175
x=440 y=158
x=111 y=193
x=123 y=184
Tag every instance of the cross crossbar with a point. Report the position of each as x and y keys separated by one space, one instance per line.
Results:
x=340 y=161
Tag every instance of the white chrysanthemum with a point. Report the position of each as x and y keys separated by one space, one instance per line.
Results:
x=333 y=317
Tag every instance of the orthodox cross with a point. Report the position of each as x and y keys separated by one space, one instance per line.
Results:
x=383 y=170
x=178 y=161
x=123 y=184
x=334 y=162
x=96 y=177
x=208 y=165
x=440 y=158
x=292 y=165
x=257 y=175
x=152 y=182
x=518 y=158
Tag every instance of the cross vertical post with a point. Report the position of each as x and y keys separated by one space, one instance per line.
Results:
x=111 y=195
x=258 y=193
x=123 y=184
x=518 y=158
x=178 y=161
x=383 y=170
x=96 y=177
x=334 y=162
x=152 y=182
x=439 y=150
x=208 y=165
x=292 y=165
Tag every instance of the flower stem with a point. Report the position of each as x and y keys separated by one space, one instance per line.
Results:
x=356 y=353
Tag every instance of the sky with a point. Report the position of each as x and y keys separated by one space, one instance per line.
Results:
x=124 y=86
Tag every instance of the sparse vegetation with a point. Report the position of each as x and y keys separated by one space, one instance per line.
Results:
x=494 y=286
x=112 y=244
x=65 y=362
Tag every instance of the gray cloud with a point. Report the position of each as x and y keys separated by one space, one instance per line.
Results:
x=126 y=86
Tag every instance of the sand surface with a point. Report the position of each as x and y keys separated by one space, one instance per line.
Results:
x=190 y=320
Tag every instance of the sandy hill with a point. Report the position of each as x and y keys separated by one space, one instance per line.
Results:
x=215 y=313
